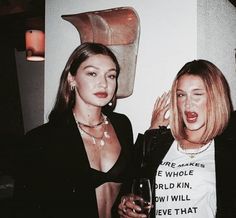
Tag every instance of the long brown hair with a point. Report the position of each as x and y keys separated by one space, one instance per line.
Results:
x=219 y=104
x=65 y=99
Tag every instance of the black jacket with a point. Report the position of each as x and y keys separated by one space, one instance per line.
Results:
x=154 y=144
x=52 y=178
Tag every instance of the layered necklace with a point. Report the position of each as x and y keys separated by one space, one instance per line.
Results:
x=193 y=152
x=95 y=139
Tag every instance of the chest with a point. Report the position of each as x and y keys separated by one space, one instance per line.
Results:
x=186 y=185
x=102 y=153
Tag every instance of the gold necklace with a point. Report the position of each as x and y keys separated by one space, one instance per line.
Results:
x=193 y=154
x=94 y=138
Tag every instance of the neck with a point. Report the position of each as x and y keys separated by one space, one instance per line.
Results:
x=89 y=117
x=189 y=144
x=194 y=137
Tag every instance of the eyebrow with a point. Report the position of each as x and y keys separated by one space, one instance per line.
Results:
x=197 y=89
x=97 y=68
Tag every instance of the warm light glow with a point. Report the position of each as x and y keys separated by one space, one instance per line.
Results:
x=35 y=45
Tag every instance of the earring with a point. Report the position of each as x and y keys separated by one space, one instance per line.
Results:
x=110 y=103
x=72 y=87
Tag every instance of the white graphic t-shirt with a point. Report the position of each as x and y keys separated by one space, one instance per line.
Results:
x=185 y=186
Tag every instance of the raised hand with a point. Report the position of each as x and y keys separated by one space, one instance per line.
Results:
x=160 y=110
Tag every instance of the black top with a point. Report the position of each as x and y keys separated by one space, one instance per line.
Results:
x=54 y=177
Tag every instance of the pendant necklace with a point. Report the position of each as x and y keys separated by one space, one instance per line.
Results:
x=94 y=138
x=193 y=152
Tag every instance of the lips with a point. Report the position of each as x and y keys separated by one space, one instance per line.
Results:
x=101 y=94
x=191 y=116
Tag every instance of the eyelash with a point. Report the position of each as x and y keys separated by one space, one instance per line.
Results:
x=93 y=74
x=180 y=95
x=112 y=76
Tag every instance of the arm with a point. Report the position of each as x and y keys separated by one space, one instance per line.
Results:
x=153 y=146
x=144 y=147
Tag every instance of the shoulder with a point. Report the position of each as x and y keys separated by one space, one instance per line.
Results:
x=117 y=115
x=158 y=139
x=232 y=123
x=53 y=126
x=38 y=137
x=39 y=131
x=229 y=132
x=118 y=118
x=122 y=126
x=163 y=133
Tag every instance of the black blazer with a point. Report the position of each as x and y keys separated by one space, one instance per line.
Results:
x=154 y=144
x=52 y=176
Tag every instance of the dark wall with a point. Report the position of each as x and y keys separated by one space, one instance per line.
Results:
x=11 y=122
x=10 y=110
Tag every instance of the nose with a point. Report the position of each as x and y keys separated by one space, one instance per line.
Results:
x=188 y=102
x=102 y=81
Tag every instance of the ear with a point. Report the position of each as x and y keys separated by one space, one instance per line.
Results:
x=70 y=78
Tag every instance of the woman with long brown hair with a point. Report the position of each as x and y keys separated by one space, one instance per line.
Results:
x=74 y=165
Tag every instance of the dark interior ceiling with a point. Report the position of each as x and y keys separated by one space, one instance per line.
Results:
x=17 y=16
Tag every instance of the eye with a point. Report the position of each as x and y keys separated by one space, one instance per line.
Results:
x=180 y=95
x=198 y=93
x=93 y=74
x=112 y=76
